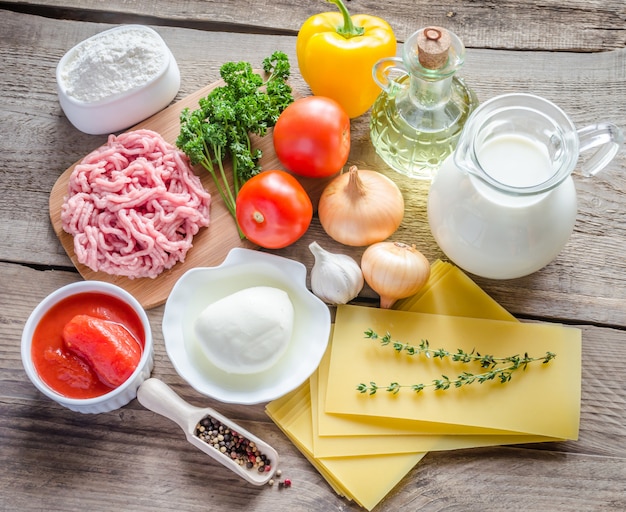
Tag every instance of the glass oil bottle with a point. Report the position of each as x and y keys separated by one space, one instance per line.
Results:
x=417 y=119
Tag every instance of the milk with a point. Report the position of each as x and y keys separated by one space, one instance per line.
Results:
x=494 y=233
x=515 y=160
x=504 y=205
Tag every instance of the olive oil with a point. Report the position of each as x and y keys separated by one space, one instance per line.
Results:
x=416 y=121
x=415 y=142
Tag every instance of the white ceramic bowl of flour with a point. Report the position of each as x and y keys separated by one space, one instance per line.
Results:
x=116 y=79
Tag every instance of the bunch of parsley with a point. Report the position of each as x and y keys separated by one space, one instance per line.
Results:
x=221 y=127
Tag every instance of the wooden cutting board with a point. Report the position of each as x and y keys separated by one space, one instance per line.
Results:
x=210 y=245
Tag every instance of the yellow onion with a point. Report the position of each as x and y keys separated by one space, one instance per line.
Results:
x=394 y=270
x=360 y=207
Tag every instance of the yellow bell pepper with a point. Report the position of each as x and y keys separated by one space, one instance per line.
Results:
x=337 y=52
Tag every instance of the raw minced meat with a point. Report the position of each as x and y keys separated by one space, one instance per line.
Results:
x=134 y=206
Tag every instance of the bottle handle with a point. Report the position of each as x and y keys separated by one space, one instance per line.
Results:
x=606 y=139
x=386 y=73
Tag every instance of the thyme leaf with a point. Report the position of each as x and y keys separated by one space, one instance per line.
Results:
x=496 y=368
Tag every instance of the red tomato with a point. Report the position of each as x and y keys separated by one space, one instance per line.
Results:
x=312 y=137
x=56 y=364
x=108 y=347
x=273 y=210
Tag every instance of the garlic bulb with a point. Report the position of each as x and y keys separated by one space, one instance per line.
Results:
x=394 y=270
x=335 y=278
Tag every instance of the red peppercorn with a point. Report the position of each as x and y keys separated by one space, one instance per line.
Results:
x=287 y=482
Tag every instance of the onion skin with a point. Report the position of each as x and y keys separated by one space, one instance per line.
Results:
x=360 y=207
x=394 y=270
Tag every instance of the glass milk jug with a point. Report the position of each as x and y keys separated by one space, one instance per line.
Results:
x=504 y=204
x=417 y=119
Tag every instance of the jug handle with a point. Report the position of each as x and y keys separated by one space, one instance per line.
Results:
x=383 y=71
x=606 y=139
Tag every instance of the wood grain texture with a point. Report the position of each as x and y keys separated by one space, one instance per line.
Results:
x=55 y=459
x=133 y=459
x=579 y=25
x=39 y=143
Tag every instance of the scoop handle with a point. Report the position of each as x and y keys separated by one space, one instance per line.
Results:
x=157 y=396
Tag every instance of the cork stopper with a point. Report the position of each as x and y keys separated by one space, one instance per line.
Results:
x=433 y=44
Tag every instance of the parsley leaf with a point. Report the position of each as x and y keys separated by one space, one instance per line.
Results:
x=221 y=126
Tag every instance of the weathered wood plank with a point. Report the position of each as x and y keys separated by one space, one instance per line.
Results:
x=588 y=86
x=579 y=25
x=55 y=459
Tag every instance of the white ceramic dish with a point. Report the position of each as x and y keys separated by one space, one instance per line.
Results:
x=119 y=111
x=116 y=398
x=244 y=268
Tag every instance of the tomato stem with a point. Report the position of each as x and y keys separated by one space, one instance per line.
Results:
x=258 y=217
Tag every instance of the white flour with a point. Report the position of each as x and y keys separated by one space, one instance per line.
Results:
x=113 y=63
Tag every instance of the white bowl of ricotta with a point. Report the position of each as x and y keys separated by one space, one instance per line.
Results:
x=116 y=79
x=241 y=271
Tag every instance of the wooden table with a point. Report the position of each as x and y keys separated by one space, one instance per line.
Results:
x=131 y=459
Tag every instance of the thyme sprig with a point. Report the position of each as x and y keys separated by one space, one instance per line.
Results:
x=500 y=368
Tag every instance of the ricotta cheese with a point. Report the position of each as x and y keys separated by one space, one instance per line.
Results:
x=247 y=331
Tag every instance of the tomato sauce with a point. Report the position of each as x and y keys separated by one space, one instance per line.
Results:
x=62 y=370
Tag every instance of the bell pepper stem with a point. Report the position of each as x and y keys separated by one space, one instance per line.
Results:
x=349 y=29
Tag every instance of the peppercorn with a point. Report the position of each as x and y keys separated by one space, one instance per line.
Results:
x=231 y=444
x=283 y=484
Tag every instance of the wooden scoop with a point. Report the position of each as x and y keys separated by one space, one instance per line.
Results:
x=157 y=396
